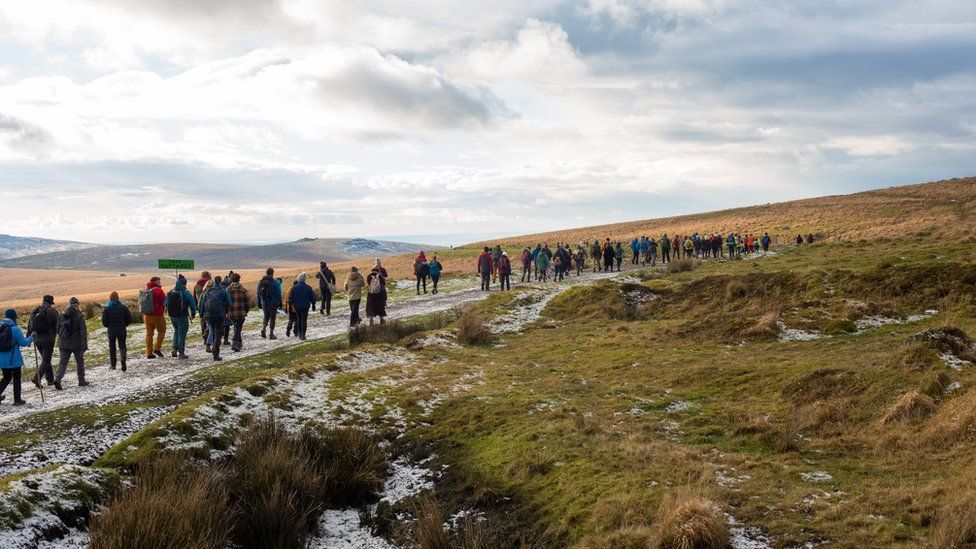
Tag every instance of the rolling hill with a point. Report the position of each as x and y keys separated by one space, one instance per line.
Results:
x=19 y=246
x=142 y=257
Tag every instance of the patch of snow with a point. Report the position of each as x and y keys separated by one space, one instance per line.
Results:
x=341 y=529
x=787 y=334
x=727 y=479
x=746 y=537
x=406 y=480
x=679 y=406
x=952 y=387
x=954 y=362
x=879 y=321
x=817 y=476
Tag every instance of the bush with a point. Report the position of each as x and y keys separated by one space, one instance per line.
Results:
x=473 y=329
x=170 y=505
x=351 y=462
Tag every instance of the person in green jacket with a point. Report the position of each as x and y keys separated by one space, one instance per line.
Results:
x=542 y=266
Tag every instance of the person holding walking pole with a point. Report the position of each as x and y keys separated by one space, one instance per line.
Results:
x=11 y=360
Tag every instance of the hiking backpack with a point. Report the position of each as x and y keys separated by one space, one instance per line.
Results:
x=146 y=302
x=66 y=327
x=39 y=322
x=175 y=304
x=375 y=286
x=6 y=339
x=266 y=291
x=215 y=307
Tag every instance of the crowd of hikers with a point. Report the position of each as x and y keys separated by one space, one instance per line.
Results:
x=222 y=303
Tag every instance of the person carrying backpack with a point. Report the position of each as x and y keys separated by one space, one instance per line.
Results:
x=635 y=251
x=765 y=242
x=496 y=256
x=485 y=268
x=799 y=240
x=11 y=360
x=596 y=252
x=240 y=304
x=652 y=251
x=116 y=319
x=214 y=304
x=151 y=301
x=181 y=308
x=43 y=326
x=301 y=298
x=435 y=269
x=327 y=287
x=542 y=266
x=292 y=317
x=72 y=340
x=269 y=301
x=618 y=255
x=202 y=283
x=354 y=292
x=665 y=249
x=376 y=296
x=505 y=272
x=421 y=269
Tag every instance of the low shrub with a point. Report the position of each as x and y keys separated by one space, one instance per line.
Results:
x=171 y=505
x=351 y=462
x=681 y=265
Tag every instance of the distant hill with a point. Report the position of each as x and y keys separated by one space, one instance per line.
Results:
x=142 y=257
x=18 y=246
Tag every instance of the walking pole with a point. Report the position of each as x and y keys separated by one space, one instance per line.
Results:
x=40 y=382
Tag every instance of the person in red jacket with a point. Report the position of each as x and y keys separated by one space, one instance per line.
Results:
x=505 y=271
x=485 y=268
x=155 y=321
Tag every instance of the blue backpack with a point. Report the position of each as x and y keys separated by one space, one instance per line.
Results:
x=213 y=304
x=435 y=268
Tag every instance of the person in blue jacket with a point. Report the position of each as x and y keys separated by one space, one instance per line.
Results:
x=269 y=301
x=11 y=361
x=635 y=251
x=181 y=308
x=301 y=298
x=214 y=304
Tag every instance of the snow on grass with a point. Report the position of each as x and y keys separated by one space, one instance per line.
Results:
x=746 y=537
x=406 y=480
x=954 y=362
x=728 y=479
x=817 y=476
x=41 y=502
x=869 y=322
x=787 y=334
x=679 y=406
x=341 y=529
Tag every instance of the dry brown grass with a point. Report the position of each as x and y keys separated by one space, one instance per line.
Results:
x=911 y=406
x=954 y=422
x=172 y=505
x=954 y=524
x=428 y=526
x=473 y=329
x=688 y=519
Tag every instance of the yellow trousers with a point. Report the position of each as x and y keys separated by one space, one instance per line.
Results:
x=157 y=325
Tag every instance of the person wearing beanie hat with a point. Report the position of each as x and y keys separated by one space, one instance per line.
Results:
x=116 y=318
x=72 y=341
x=43 y=327
x=11 y=361
x=214 y=303
x=505 y=271
x=301 y=298
x=376 y=296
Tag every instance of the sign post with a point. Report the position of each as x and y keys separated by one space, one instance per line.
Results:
x=177 y=264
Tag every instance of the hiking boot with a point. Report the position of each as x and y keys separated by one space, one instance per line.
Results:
x=158 y=353
x=236 y=347
x=226 y=341
x=19 y=402
x=36 y=381
x=287 y=333
x=57 y=385
x=123 y=366
x=217 y=359
x=209 y=349
x=272 y=336
x=150 y=356
x=112 y=367
x=183 y=356
x=175 y=353
x=263 y=334
x=83 y=384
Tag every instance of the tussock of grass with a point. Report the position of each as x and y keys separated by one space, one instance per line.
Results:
x=912 y=405
x=351 y=462
x=937 y=386
x=954 y=423
x=473 y=329
x=948 y=339
x=955 y=523
x=428 y=526
x=395 y=330
x=172 y=505
x=917 y=355
x=689 y=520
x=682 y=265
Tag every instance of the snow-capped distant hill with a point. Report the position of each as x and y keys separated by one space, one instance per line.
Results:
x=142 y=257
x=21 y=246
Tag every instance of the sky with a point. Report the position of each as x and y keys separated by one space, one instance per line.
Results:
x=265 y=120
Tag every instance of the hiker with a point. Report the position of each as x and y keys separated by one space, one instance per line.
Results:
x=810 y=238
x=225 y=283
x=327 y=287
x=676 y=246
x=240 y=304
x=496 y=256
x=618 y=254
x=505 y=272
x=557 y=267
x=435 y=269
x=608 y=256
x=11 y=360
x=716 y=246
x=485 y=268
x=799 y=240
x=376 y=296
x=292 y=317
x=535 y=255
x=421 y=269
x=214 y=304
x=580 y=258
x=645 y=245
x=652 y=251
x=597 y=254
x=765 y=240
x=202 y=284
x=542 y=266
x=689 y=247
x=181 y=308
x=635 y=250
x=151 y=302
x=269 y=301
x=526 y=265
x=301 y=298
x=43 y=326
x=665 y=249
x=116 y=318
x=730 y=244
x=354 y=292
x=72 y=340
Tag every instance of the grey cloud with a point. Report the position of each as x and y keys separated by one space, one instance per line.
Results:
x=21 y=134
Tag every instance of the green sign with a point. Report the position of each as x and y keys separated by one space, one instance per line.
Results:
x=178 y=264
